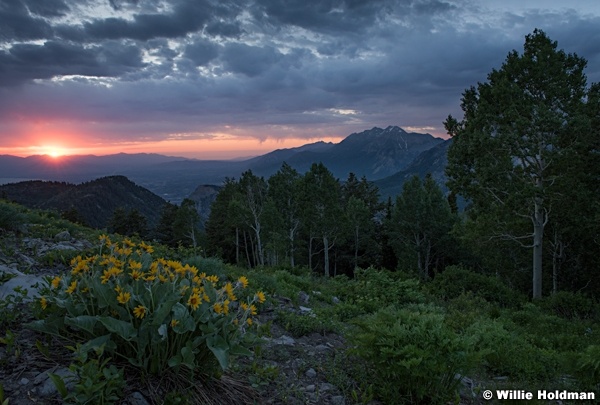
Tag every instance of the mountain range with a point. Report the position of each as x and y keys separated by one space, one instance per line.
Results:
x=387 y=156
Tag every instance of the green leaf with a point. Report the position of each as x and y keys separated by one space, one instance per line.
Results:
x=121 y=328
x=60 y=384
x=82 y=322
x=220 y=348
x=164 y=308
x=186 y=322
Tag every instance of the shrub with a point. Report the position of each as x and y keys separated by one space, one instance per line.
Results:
x=506 y=353
x=158 y=314
x=570 y=305
x=455 y=280
x=373 y=289
x=414 y=357
x=11 y=219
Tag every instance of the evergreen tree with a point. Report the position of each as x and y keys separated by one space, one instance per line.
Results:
x=420 y=223
x=517 y=131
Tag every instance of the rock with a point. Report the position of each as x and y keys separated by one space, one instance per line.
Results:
x=311 y=373
x=284 y=340
x=310 y=388
x=325 y=387
x=64 y=235
x=321 y=348
x=335 y=300
x=24 y=381
x=25 y=281
x=303 y=297
x=137 y=398
x=47 y=387
x=305 y=309
x=338 y=400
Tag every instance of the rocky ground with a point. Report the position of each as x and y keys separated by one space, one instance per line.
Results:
x=285 y=370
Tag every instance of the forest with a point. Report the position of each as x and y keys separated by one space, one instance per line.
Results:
x=525 y=159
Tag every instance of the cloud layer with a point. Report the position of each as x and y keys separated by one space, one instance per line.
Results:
x=143 y=70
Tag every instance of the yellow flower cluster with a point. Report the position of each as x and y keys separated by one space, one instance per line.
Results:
x=131 y=275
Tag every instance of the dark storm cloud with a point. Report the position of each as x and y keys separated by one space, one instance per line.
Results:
x=16 y=23
x=201 y=52
x=47 y=8
x=250 y=60
x=23 y=62
x=187 y=17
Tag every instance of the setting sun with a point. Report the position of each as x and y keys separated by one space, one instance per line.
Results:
x=54 y=151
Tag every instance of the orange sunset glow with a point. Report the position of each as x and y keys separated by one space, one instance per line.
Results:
x=207 y=149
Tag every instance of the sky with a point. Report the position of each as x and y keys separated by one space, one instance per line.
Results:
x=219 y=79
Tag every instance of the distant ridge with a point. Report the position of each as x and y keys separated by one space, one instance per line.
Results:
x=95 y=201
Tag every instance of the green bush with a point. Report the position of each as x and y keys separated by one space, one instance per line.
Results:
x=455 y=280
x=414 y=357
x=570 y=305
x=373 y=289
x=588 y=366
x=11 y=218
x=506 y=353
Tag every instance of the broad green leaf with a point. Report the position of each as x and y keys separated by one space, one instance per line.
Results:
x=59 y=383
x=121 y=328
x=164 y=307
x=82 y=322
x=220 y=348
x=182 y=315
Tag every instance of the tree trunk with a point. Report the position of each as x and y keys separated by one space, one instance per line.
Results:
x=326 y=251
x=557 y=258
x=356 y=247
x=538 y=236
x=237 y=246
x=292 y=247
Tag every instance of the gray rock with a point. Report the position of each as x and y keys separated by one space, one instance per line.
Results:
x=335 y=300
x=303 y=297
x=321 y=348
x=26 y=281
x=310 y=388
x=284 y=340
x=46 y=385
x=338 y=400
x=137 y=399
x=325 y=387
x=64 y=235
x=24 y=381
x=305 y=309
x=311 y=373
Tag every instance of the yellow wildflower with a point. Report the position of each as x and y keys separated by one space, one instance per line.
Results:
x=150 y=278
x=146 y=247
x=174 y=323
x=44 y=302
x=123 y=297
x=133 y=265
x=162 y=278
x=139 y=311
x=218 y=308
x=243 y=281
x=56 y=281
x=253 y=310
x=205 y=297
x=229 y=290
x=260 y=297
x=249 y=321
x=194 y=301
x=128 y=242
x=72 y=287
x=136 y=275
x=244 y=306
x=226 y=307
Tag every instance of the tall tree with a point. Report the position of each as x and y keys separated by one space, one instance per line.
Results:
x=516 y=130
x=420 y=222
x=284 y=193
x=322 y=209
x=251 y=204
